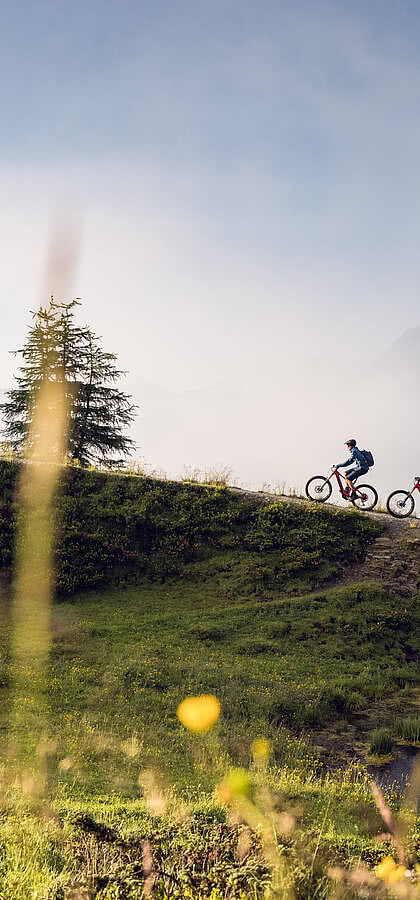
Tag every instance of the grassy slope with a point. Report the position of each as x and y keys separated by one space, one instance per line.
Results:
x=281 y=654
x=123 y=659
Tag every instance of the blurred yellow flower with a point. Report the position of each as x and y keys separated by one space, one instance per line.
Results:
x=236 y=784
x=261 y=749
x=388 y=870
x=396 y=875
x=199 y=714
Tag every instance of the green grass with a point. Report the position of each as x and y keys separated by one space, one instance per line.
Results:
x=381 y=742
x=122 y=661
x=96 y=844
x=253 y=618
x=408 y=729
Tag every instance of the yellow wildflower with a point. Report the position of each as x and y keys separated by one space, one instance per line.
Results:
x=199 y=714
x=388 y=870
x=236 y=784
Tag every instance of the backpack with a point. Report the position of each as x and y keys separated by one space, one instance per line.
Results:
x=369 y=458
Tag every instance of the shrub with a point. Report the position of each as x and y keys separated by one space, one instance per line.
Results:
x=355 y=701
x=381 y=743
x=333 y=700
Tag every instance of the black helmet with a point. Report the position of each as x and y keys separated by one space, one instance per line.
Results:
x=351 y=443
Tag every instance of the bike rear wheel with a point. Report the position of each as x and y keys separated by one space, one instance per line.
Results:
x=400 y=504
x=318 y=488
x=366 y=496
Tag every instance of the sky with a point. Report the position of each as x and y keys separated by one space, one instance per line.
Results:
x=238 y=187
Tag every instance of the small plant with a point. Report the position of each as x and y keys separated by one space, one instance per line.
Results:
x=144 y=469
x=408 y=729
x=215 y=476
x=281 y=489
x=381 y=743
x=191 y=473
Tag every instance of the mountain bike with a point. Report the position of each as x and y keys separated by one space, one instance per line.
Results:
x=401 y=503
x=319 y=488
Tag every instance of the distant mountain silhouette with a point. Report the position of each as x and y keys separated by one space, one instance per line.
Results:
x=404 y=354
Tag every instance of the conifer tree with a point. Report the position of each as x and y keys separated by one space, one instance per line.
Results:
x=59 y=350
x=102 y=410
x=39 y=358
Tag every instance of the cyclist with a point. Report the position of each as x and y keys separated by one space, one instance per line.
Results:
x=358 y=465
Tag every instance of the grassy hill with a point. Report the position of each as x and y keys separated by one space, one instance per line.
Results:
x=260 y=601
x=111 y=526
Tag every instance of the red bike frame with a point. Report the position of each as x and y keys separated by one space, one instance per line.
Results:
x=342 y=485
x=363 y=496
x=415 y=485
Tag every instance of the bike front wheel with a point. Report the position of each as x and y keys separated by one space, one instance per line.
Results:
x=400 y=504
x=366 y=497
x=318 y=488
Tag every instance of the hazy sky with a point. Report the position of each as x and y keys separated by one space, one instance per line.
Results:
x=243 y=182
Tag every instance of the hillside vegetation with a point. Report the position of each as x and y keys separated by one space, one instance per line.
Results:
x=200 y=590
x=109 y=526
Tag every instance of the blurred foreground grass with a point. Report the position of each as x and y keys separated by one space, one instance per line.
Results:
x=94 y=847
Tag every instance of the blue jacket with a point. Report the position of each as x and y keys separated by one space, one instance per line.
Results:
x=355 y=457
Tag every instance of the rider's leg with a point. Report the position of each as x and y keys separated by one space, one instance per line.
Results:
x=353 y=479
x=349 y=477
x=353 y=476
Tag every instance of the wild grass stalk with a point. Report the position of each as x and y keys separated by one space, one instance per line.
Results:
x=33 y=592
